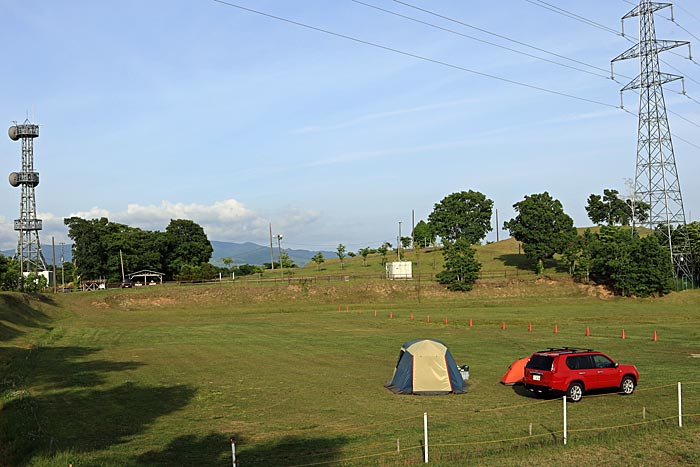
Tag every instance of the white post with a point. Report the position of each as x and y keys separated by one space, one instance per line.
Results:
x=425 y=434
x=233 y=452
x=565 y=434
x=680 y=407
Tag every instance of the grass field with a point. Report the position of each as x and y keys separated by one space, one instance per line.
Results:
x=166 y=375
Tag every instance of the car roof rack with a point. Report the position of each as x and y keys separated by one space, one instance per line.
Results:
x=565 y=349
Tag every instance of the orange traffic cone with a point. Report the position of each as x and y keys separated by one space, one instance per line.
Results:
x=391 y=315
x=588 y=331
x=623 y=334
x=411 y=316
x=556 y=329
x=655 y=338
x=446 y=321
x=503 y=325
x=428 y=318
x=529 y=327
x=375 y=313
x=470 y=323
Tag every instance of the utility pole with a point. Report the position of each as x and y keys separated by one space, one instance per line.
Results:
x=279 y=253
x=272 y=253
x=656 y=177
x=398 y=246
x=496 y=225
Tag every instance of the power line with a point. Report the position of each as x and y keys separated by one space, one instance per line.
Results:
x=412 y=55
x=561 y=11
x=500 y=36
x=687 y=12
x=452 y=31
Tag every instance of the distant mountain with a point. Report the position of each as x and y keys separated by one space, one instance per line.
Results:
x=241 y=253
x=252 y=253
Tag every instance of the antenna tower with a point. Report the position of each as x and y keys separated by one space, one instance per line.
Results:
x=28 y=247
x=656 y=178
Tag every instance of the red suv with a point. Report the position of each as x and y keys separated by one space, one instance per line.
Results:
x=573 y=371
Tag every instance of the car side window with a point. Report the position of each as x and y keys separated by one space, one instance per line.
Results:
x=602 y=361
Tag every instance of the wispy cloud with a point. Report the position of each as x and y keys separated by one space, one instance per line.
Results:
x=379 y=116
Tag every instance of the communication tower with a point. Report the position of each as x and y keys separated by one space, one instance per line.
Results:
x=28 y=226
x=656 y=177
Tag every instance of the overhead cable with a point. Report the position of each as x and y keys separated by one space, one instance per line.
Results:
x=452 y=31
x=412 y=55
x=500 y=36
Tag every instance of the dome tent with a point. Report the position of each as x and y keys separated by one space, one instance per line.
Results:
x=426 y=367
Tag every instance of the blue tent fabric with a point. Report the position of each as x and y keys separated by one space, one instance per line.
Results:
x=432 y=364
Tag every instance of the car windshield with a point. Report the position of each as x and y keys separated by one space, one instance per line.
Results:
x=540 y=362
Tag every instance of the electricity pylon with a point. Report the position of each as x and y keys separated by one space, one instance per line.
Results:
x=656 y=178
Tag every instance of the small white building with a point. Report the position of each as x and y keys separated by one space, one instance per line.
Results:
x=399 y=270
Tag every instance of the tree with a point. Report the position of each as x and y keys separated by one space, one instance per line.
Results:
x=286 y=261
x=461 y=269
x=365 y=252
x=610 y=209
x=542 y=226
x=186 y=244
x=9 y=273
x=340 y=251
x=466 y=214
x=405 y=242
x=383 y=249
x=630 y=265
x=423 y=234
x=319 y=260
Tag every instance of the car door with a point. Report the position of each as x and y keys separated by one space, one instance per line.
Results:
x=581 y=367
x=606 y=373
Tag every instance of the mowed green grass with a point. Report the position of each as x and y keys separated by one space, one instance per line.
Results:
x=165 y=376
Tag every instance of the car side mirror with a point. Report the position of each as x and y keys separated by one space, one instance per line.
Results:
x=616 y=364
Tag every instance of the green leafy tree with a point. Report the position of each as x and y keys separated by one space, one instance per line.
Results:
x=461 y=269
x=630 y=265
x=365 y=252
x=286 y=261
x=186 y=244
x=383 y=249
x=248 y=269
x=90 y=253
x=319 y=260
x=340 y=251
x=9 y=273
x=351 y=254
x=423 y=234
x=405 y=242
x=542 y=226
x=610 y=209
x=466 y=214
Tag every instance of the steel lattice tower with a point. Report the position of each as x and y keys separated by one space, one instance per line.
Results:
x=656 y=177
x=28 y=246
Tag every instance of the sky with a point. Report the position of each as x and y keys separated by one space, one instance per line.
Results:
x=196 y=109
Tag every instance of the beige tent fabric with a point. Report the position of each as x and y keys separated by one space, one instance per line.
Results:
x=430 y=374
x=429 y=367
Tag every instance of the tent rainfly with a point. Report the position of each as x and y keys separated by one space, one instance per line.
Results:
x=515 y=372
x=426 y=367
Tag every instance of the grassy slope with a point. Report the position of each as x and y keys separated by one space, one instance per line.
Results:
x=163 y=376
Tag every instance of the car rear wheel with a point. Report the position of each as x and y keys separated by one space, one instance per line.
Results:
x=575 y=392
x=627 y=385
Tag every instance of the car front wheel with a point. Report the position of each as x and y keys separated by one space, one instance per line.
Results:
x=575 y=392
x=627 y=385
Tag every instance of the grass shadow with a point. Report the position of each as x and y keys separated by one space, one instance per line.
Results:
x=52 y=368
x=17 y=312
x=212 y=449
x=84 y=420
x=515 y=260
x=293 y=450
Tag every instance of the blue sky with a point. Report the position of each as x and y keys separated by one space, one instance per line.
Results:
x=162 y=109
